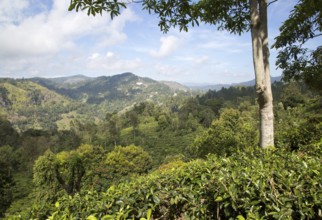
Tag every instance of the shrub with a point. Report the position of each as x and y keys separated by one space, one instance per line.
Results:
x=233 y=130
x=254 y=184
x=123 y=161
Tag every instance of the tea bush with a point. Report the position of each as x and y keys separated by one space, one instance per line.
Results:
x=252 y=184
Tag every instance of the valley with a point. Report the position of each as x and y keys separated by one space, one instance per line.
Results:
x=70 y=138
x=47 y=103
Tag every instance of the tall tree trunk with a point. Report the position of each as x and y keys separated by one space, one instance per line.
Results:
x=258 y=10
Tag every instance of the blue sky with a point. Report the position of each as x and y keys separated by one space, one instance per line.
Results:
x=41 y=38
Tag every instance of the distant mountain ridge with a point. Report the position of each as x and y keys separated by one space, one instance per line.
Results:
x=62 y=82
x=47 y=103
x=55 y=102
x=207 y=87
x=125 y=87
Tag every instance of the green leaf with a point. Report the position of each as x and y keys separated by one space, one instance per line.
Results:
x=149 y=214
x=108 y=217
x=72 y=6
x=156 y=199
x=316 y=172
x=91 y=217
x=240 y=217
x=218 y=199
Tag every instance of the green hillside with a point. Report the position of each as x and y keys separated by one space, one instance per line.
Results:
x=41 y=103
x=185 y=155
x=28 y=105
x=114 y=93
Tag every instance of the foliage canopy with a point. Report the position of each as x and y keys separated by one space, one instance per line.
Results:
x=252 y=184
x=298 y=62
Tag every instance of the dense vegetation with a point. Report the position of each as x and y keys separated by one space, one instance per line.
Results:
x=182 y=158
x=113 y=92
x=152 y=161
x=48 y=104
x=250 y=184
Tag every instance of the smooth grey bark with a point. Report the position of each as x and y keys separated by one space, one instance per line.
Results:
x=260 y=49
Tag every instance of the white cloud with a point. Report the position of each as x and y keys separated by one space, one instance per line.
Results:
x=49 y=39
x=58 y=29
x=11 y=10
x=112 y=61
x=171 y=70
x=93 y=56
x=41 y=38
x=113 y=33
x=31 y=66
x=110 y=55
x=222 y=41
x=201 y=60
x=196 y=60
x=168 y=45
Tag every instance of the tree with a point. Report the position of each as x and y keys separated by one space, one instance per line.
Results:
x=6 y=178
x=236 y=16
x=6 y=185
x=163 y=121
x=123 y=161
x=96 y=174
x=292 y=95
x=112 y=128
x=69 y=171
x=133 y=120
x=65 y=170
x=233 y=130
x=44 y=177
x=8 y=135
x=298 y=62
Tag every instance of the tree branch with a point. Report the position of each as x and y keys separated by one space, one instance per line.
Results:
x=317 y=35
x=60 y=180
x=268 y=4
x=135 y=1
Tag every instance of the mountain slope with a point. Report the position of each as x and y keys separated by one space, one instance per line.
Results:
x=30 y=105
x=46 y=103
x=68 y=82
x=114 y=92
x=176 y=86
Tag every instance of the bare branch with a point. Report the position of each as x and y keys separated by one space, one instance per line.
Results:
x=317 y=35
x=134 y=1
x=271 y=2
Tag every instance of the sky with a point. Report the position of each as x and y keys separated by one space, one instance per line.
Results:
x=41 y=38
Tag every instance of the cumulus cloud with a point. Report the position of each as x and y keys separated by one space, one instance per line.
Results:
x=42 y=38
x=112 y=61
x=168 y=45
x=36 y=38
x=12 y=10
x=58 y=29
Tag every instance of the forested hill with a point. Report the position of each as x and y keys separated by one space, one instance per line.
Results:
x=125 y=87
x=41 y=165
x=50 y=103
x=29 y=105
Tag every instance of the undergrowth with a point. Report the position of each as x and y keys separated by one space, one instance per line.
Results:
x=252 y=184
